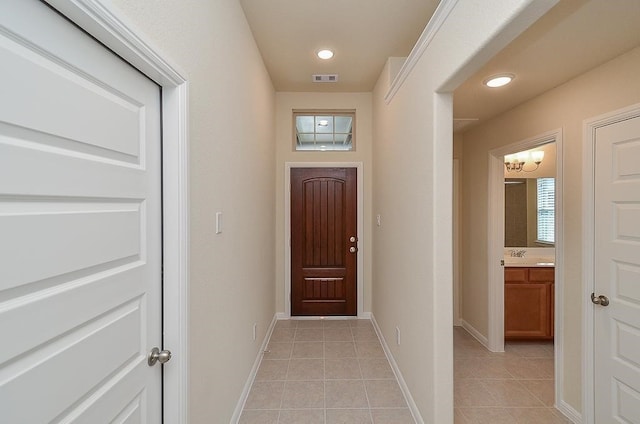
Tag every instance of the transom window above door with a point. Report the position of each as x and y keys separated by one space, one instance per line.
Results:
x=324 y=130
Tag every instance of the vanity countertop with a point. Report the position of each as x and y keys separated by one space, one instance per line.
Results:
x=532 y=262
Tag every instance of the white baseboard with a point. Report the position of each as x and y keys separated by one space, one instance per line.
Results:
x=475 y=333
x=282 y=315
x=252 y=375
x=394 y=366
x=569 y=412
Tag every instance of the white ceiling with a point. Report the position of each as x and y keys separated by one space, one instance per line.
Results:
x=362 y=34
x=575 y=36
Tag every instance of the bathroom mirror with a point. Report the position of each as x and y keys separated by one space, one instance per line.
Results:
x=529 y=216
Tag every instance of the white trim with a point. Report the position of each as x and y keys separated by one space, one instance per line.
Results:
x=254 y=371
x=475 y=333
x=433 y=26
x=396 y=371
x=457 y=260
x=102 y=22
x=569 y=412
x=495 y=226
x=362 y=236
x=588 y=251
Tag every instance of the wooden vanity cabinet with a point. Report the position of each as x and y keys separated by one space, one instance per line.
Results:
x=528 y=303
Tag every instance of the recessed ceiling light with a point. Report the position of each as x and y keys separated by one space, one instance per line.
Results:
x=498 y=80
x=325 y=54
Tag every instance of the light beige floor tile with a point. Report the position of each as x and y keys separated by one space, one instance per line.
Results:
x=465 y=367
x=361 y=323
x=272 y=369
x=459 y=418
x=336 y=323
x=342 y=369
x=278 y=350
x=384 y=394
x=348 y=416
x=310 y=323
x=489 y=415
x=299 y=416
x=345 y=394
x=510 y=393
x=265 y=395
x=309 y=335
x=535 y=416
x=492 y=368
x=338 y=334
x=375 y=368
x=259 y=417
x=392 y=416
x=308 y=350
x=542 y=389
x=530 y=349
x=365 y=334
x=530 y=368
x=286 y=323
x=283 y=335
x=306 y=369
x=369 y=350
x=472 y=393
x=339 y=350
x=473 y=367
x=303 y=394
x=470 y=349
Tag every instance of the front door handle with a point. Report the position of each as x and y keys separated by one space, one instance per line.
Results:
x=353 y=249
x=601 y=300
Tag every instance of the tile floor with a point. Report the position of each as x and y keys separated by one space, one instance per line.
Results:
x=335 y=371
x=514 y=387
x=325 y=372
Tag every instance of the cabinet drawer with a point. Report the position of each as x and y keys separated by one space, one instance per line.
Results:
x=516 y=275
x=541 y=275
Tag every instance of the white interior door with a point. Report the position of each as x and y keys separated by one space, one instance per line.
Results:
x=80 y=226
x=617 y=272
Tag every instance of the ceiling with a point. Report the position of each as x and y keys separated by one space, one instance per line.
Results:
x=575 y=36
x=362 y=34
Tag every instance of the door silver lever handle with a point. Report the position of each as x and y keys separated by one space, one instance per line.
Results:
x=601 y=300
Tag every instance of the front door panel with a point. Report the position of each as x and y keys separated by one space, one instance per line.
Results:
x=323 y=241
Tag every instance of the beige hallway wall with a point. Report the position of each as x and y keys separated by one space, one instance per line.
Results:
x=413 y=153
x=610 y=86
x=231 y=147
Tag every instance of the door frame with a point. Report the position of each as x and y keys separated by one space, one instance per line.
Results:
x=103 y=23
x=287 y=229
x=588 y=249
x=495 y=246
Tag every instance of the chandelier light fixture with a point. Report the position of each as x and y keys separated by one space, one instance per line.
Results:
x=517 y=161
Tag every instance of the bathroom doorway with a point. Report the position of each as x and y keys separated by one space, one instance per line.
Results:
x=497 y=249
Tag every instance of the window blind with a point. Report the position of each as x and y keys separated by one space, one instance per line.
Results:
x=546 y=210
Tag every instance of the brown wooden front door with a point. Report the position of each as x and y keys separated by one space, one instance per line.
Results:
x=323 y=255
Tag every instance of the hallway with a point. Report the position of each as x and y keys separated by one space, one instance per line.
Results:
x=325 y=372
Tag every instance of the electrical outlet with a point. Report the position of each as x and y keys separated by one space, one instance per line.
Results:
x=378 y=220
x=255 y=330
x=218 y=222
x=398 y=336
